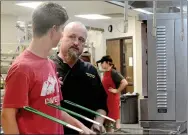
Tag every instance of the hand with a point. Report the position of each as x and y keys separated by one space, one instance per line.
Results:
x=60 y=79
x=113 y=90
x=98 y=129
x=87 y=130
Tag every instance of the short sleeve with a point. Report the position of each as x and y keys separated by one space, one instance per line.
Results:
x=16 y=88
x=116 y=77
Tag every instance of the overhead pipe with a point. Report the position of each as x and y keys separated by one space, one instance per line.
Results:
x=125 y=16
x=182 y=20
x=154 y=19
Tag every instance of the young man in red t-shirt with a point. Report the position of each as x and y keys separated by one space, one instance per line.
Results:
x=32 y=80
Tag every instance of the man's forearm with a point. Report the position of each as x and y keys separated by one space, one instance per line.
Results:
x=9 y=125
x=99 y=118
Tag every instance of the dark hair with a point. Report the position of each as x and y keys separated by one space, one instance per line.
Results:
x=111 y=64
x=85 y=52
x=46 y=16
x=85 y=56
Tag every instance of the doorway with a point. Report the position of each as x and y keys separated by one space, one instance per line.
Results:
x=121 y=51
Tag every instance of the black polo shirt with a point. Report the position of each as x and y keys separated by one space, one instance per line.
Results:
x=81 y=85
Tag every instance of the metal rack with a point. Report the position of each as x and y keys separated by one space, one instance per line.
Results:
x=6 y=60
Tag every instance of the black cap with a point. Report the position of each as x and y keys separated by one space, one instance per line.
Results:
x=106 y=58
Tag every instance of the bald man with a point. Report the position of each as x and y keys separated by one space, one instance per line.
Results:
x=81 y=82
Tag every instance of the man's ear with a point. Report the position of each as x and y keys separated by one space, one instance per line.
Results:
x=52 y=31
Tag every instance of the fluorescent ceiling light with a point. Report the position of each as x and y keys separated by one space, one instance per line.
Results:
x=142 y=10
x=93 y=16
x=29 y=4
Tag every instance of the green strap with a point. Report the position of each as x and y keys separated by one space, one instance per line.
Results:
x=73 y=113
x=30 y=109
x=89 y=110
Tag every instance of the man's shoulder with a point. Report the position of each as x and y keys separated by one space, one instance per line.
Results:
x=20 y=66
x=21 y=62
x=87 y=66
x=89 y=70
x=24 y=62
x=56 y=60
x=53 y=57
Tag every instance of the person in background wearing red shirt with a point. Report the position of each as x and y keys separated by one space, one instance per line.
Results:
x=32 y=80
x=113 y=83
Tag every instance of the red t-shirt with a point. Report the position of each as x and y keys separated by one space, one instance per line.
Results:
x=32 y=81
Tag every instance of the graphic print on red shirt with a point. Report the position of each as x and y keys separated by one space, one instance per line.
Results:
x=32 y=81
x=49 y=86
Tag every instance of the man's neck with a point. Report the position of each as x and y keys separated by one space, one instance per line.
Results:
x=40 y=47
x=67 y=60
